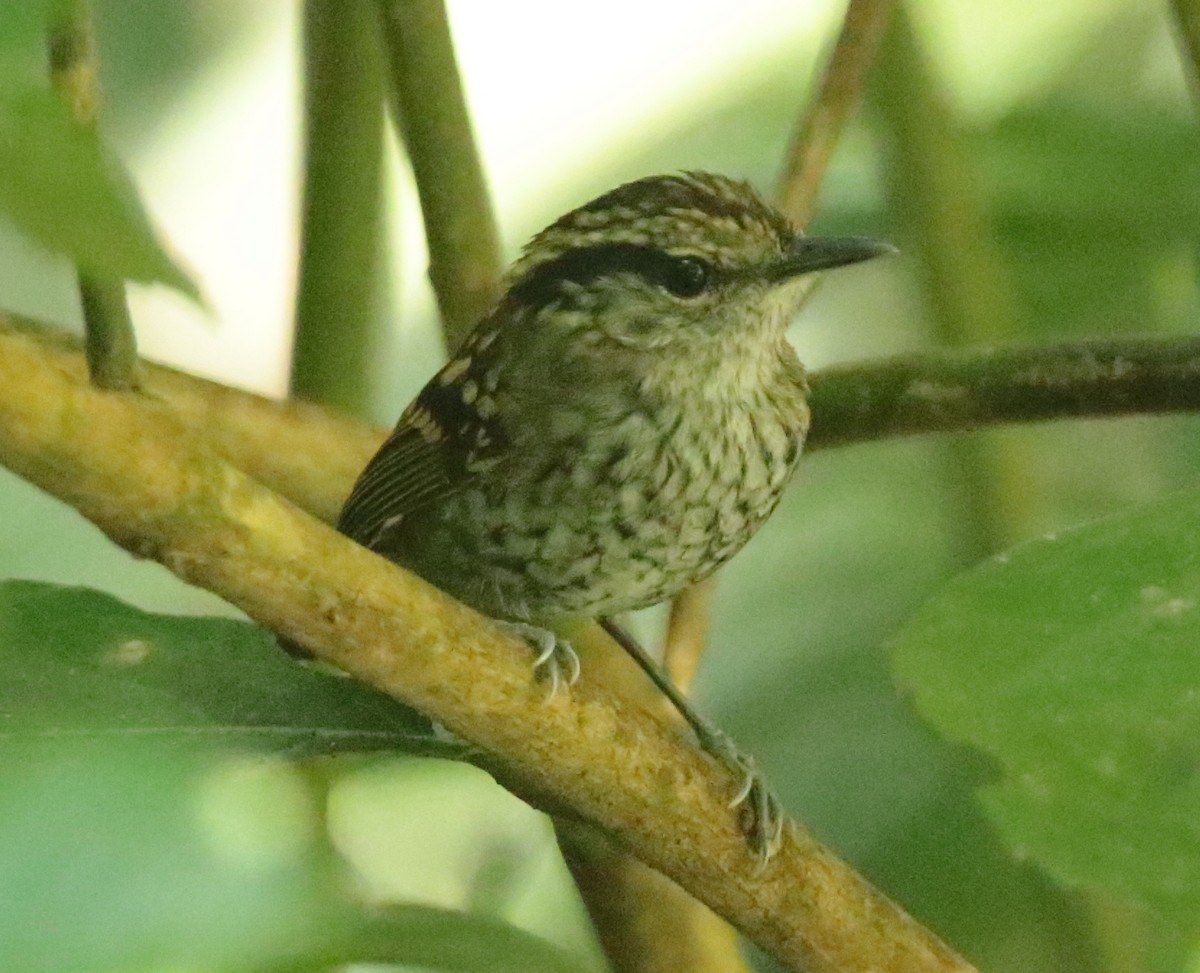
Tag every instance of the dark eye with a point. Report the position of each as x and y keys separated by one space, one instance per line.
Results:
x=686 y=276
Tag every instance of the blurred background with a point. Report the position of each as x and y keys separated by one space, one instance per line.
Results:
x=1039 y=166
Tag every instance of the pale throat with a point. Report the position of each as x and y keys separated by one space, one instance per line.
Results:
x=734 y=368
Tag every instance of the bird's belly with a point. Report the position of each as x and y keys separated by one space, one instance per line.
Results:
x=623 y=531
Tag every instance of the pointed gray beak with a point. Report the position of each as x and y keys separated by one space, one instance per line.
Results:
x=810 y=253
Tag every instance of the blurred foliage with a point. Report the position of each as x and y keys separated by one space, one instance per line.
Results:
x=131 y=856
x=125 y=854
x=62 y=186
x=1086 y=169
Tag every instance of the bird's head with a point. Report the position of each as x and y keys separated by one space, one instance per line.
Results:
x=665 y=259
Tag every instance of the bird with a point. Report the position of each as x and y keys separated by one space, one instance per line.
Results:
x=615 y=428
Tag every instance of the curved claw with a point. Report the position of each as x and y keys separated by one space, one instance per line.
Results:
x=556 y=660
x=763 y=818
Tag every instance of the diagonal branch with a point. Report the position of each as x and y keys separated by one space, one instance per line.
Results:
x=817 y=134
x=128 y=465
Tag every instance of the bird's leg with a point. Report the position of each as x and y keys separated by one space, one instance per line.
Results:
x=764 y=816
x=555 y=661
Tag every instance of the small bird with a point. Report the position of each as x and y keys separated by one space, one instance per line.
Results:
x=615 y=428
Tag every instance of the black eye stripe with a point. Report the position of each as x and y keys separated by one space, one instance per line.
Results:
x=685 y=276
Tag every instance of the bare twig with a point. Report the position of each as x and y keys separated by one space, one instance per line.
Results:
x=127 y=464
x=841 y=89
x=111 y=344
x=338 y=284
x=952 y=392
x=464 y=253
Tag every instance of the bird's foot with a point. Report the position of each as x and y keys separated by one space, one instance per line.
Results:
x=762 y=816
x=556 y=661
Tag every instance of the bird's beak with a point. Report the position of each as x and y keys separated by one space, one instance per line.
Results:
x=808 y=253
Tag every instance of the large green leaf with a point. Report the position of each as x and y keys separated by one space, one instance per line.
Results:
x=1074 y=662
x=77 y=660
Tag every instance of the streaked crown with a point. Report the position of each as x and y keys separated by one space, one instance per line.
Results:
x=720 y=220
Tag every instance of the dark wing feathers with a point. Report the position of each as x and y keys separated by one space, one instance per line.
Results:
x=445 y=438
x=410 y=470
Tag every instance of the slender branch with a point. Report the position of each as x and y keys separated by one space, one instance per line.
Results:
x=953 y=392
x=464 y=252
x=341 y=227
x=128 y=465
x=687 y=628
x=1187 y=22
x=111 y=344
x=817 y=134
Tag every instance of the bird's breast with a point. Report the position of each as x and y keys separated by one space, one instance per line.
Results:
x=623 y=508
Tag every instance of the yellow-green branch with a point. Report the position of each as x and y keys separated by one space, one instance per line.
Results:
x=129 y=465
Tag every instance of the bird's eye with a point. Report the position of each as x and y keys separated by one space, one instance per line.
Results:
x=686 y=276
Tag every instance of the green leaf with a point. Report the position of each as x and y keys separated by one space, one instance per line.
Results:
x=1073 y=663
x=80 y=661
x=64 y=189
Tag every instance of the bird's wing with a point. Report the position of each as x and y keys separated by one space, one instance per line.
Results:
x=449 y=435
x=409 y=470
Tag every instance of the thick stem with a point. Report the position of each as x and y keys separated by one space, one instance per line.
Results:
x=687 y=628
x=645 y=922
x=111 y=344
x=464 y=249
x=341 y=227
